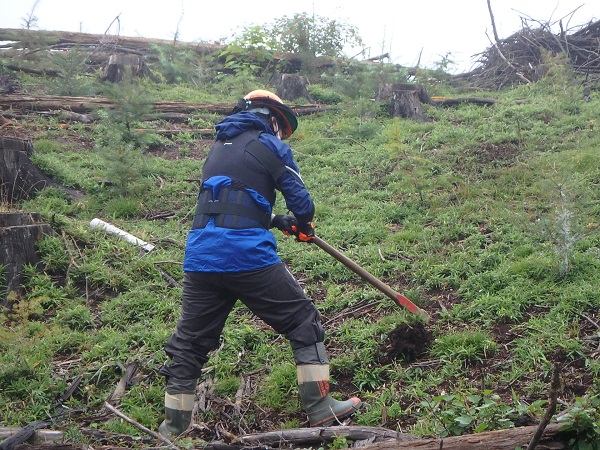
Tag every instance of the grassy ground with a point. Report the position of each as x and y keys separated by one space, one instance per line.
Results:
x=487 y=217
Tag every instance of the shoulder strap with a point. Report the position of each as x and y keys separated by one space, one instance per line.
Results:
x=266 y=157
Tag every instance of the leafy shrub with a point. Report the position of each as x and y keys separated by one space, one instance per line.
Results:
x=249 y=51
x=314 y=35
x=177 y=64
x=584 y=419
x=454 y=415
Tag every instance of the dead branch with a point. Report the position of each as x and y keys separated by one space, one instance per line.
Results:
x=139 y=426
x=553 y=396
x=125 y=381
x=520 y=57
x=169 y=279
x=378 y=57
x=497 y=39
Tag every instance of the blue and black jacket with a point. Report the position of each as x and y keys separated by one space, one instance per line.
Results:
x=239 y=182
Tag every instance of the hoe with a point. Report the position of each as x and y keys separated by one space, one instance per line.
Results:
x=400 y=299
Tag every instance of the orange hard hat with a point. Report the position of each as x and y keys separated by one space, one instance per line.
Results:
x=261 y=98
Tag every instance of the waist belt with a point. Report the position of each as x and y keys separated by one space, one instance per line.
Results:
x=234 y=208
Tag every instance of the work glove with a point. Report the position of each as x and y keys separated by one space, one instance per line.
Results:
x=285 y=223
x=304 y=232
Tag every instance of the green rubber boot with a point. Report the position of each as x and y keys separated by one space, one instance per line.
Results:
x=178 y=414
x=321 y=408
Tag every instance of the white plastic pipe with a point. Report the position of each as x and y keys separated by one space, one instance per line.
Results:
x=97 y=223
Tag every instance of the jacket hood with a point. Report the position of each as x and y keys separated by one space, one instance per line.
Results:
x=235 y=124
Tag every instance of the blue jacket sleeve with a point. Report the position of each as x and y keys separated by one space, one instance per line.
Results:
x=290 y=184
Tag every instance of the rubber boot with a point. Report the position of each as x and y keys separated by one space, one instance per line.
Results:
x=178 y=407
x=321 y=408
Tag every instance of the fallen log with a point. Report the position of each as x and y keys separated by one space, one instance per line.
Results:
x=68 y=116
x=85 y=105
x=20 y=435
x=57 y=446
x=204 y=132
x=311 y=436
x=508 y=439
x=64 y=40
x=385 y=439
x=443 y=101
x=382 y=439
x=54 y=440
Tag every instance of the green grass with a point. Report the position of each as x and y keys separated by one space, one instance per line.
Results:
x=488 y=217
x=463 y=346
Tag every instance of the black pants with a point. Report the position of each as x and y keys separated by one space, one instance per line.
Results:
x=272 y=293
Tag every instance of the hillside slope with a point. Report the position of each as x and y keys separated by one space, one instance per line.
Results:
x=487 y=217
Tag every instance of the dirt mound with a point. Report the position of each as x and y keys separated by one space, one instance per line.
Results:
x=406 y=342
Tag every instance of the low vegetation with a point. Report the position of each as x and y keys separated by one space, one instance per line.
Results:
x=487 y=217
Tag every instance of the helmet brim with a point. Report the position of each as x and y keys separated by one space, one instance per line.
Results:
x=286 y=117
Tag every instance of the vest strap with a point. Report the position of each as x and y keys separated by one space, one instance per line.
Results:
x=207 y=207
x=267 y=158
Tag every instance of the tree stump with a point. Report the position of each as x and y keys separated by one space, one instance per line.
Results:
x=19 y=233
x=19 y=178
x=291 y=86
x=405 y=100
x=119 y=64
x=8 y=84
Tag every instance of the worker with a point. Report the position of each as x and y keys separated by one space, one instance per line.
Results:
x=231 y=254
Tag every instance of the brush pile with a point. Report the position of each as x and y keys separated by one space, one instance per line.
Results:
x=526 y=56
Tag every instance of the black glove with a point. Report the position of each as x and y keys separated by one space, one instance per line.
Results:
x=285 y=223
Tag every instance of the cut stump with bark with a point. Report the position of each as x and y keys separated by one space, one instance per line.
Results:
x=119 y=64
x=291 y=86
x=405 y=100
x=20 y=179
x=19 y=234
